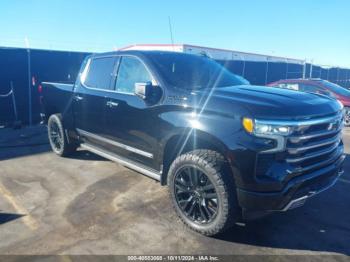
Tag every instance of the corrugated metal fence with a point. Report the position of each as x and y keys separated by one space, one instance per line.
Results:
x=26 y=68
x=262 y=73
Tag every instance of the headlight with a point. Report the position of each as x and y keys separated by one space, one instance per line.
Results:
x=264 y=128
x=268 y=129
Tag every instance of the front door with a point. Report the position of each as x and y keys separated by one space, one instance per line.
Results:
x=130 y=121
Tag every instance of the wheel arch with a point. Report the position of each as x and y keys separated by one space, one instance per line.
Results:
x=187 y=141
x=49 y=111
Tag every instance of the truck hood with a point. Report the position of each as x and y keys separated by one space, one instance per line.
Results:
x=273 y=103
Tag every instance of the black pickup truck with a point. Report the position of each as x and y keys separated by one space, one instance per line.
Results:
x=226 y=150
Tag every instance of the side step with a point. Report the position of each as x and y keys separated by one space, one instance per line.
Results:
x=124 y=162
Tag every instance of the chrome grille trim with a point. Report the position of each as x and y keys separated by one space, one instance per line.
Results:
x=300 y=131
x=333 y=158
x=315 y=143
x=313 y=155
x=297 y=139
x=333 y=140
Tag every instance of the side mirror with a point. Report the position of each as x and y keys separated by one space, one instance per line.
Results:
x=143 y=90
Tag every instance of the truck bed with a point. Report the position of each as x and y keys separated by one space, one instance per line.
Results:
x=57 y=97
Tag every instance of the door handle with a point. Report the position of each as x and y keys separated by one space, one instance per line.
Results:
x=78 y=98
x=112 y=104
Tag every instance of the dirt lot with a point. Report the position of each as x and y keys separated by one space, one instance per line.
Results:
x=88 y=205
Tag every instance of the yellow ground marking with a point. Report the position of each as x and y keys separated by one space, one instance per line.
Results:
x=65 y=258
x=28 y=220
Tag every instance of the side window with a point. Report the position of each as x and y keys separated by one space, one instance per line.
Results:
x=311 y=89
x=131 y=71
x=100 y=73
x=292 y=86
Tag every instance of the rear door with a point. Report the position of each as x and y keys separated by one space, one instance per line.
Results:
x=90 y=97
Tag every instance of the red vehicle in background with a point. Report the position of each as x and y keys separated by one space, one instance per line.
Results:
x=318 y=86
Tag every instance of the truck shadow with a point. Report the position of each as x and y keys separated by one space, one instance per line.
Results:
x=31 y=141
x=23 y=142
x=323 y=224
x=8 y=217
x=86 y=155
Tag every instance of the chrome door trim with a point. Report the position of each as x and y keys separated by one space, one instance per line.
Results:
x=150 y=173
x=65 y=84
x=115 y=143
x=86 y=70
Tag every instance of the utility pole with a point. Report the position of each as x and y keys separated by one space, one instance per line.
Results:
x=311 y=68
x=337 y=75
x=328 y=73
x=304 y=69
x=29 y=83
x=171 y=32
x=243 y=61
x=267 y=70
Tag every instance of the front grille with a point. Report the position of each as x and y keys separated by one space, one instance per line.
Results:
x=315 y=144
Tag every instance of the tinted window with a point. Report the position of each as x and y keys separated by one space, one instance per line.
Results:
x=292 y=86
x=336 y=88
x=131 y=71
x=304 y=87
x=309 y=88
x=193 y=71
x=100 y=72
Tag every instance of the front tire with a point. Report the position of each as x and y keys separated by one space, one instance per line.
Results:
x=202 y=191
x=58 y=140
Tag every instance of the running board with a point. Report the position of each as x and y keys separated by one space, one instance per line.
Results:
x=113 y=157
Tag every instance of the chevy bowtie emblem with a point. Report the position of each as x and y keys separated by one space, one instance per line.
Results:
x=331 y=126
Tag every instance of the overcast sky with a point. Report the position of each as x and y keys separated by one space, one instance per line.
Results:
x=304 y=29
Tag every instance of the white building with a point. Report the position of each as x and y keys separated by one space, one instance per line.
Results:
x=215 y=53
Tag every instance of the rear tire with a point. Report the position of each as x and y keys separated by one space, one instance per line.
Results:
x=57 y=137
x=208 y=205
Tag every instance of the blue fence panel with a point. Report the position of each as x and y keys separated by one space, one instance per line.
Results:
x=59 y=66
x=46 y=65
x=52 y=66
x=13 y=68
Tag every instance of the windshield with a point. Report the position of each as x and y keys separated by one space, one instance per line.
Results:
x=336 y=88
x=193 y=72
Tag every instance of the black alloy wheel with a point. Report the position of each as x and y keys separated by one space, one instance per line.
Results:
x=196 y=195
x=203 y=192
x=55 y=136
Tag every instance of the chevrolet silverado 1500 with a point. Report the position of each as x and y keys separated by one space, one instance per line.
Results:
x=226 y=150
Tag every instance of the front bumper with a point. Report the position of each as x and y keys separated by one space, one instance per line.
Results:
x=294 y=194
